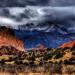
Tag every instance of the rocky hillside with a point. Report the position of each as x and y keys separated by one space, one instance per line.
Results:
x=7 y=38
x=68 y=44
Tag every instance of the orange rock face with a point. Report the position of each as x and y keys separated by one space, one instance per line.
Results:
x=7 y=39
x=68 y=44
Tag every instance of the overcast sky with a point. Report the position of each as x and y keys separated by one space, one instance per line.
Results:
x=58 y=12
x=19 y=3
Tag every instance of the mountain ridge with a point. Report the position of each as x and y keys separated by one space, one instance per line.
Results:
x=8 y=38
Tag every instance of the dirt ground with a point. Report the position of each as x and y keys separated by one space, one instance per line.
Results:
x=33 y=74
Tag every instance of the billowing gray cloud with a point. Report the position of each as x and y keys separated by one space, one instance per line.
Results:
x=31 y=17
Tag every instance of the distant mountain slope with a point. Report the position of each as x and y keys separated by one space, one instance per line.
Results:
x=51 y=39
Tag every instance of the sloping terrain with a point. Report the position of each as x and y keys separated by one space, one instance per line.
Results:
x=7 y=38
x=68 y=44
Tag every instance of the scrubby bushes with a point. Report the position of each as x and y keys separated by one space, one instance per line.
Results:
x=49 y=55
x=58 y=55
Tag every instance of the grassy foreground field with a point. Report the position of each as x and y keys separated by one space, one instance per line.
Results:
x=35 y=62
x=38 y=70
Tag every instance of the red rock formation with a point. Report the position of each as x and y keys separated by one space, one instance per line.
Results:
x=7 y=38
x=68 y=44
x=41 y=47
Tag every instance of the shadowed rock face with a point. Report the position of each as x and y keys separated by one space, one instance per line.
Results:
x=7 y=38
x=68 y=44
x=6 y=31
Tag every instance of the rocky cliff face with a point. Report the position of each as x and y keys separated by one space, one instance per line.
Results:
x=7 y=38
x=68 y=44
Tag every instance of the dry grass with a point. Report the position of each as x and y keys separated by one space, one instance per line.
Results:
x=40 y=70
x=23 y=74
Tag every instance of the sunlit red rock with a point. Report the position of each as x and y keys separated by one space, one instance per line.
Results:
x=41 y=47
x=68 y=44
x=7 y=38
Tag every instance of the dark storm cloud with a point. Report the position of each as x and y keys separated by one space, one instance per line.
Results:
x=19 y=3
x=4 y=3
x=62 y=2
x=38 y=15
